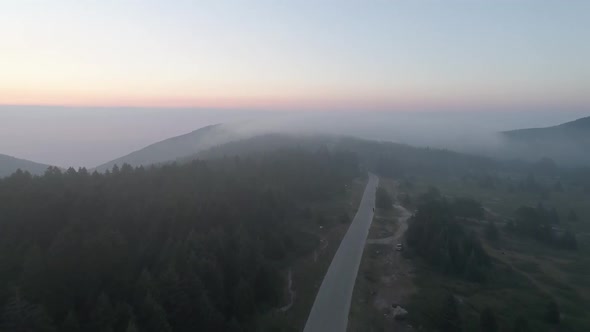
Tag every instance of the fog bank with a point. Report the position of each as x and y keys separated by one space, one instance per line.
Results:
x=89 y=136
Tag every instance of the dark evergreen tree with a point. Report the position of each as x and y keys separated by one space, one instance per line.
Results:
x=234 y=326
x=244 y=300
x=383 y=199
x=344 y=218
x=521 y=325
x=131 y=327
x=450 y=319
x=145 y=285
x=467 y=208
x=554 y=216
x=103 y=315
x=70 y=323
x=153 y=316
x=406 y=200
x=487 y=320
x=572 y=216
x=552 y=315
x=21 y=316
x=491 y=231
x=568 y=241
x=33 y=278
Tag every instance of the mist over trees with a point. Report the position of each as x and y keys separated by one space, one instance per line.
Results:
x=383 y=199
x=542 y=224
x=201 y=242
x=566 y=143
x=435 y=235
x=158 y=249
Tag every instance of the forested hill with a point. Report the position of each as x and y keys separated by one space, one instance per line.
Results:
x=191 y=247
x=567 y=143
x=397 y=160
x=9 y=165
x=175 y=147
x=385 y=158
x=568 y=129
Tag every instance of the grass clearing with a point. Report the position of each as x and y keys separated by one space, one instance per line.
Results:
x=526 y=273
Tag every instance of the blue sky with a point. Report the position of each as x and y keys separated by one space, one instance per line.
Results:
x=295 y=54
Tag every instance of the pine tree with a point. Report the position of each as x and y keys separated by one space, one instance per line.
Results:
x=33 y=279
x=450 y=320
x=180 y=298
x=487 y=320
x=491 y=231
x=268 y=285
x=143 y=286
x=131 y=327
x=552 y=314
x=554 y=216
x=568 y=241
x=244 y=300
x=383 y=199
x=70 y=323
x=21 y=316
x=103 y=315
x=572 y=216
x=233 y=326
x=153 y=316
x=472 y=271
x=521 y=325
x=407 y=200
x=211 y=318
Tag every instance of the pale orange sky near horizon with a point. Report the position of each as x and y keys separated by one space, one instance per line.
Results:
x=376 y=55
x=293 y=103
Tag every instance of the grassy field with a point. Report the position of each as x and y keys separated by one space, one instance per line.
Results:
x=526 y=274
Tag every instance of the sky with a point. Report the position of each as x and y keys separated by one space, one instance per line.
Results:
x=296 y=55
x=83 y=82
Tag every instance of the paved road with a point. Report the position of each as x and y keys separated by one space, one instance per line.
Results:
x=332 y=304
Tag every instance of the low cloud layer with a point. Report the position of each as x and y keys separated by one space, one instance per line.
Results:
x=92 y=136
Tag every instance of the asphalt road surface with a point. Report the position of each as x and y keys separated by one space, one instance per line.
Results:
x=332 y=303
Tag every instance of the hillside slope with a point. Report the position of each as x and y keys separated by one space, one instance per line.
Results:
x=174 y=148
x=578 y=129
x=9 y=165
x=567 y=143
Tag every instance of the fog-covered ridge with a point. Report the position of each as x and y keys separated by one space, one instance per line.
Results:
x=175 y=147
x=567 y=143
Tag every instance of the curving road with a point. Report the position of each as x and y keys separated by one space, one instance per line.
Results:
x=332 y=304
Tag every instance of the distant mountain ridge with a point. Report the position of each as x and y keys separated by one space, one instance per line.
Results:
x=572 y=128
x=175 y=148
x=567 y=143
x=9 y=165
